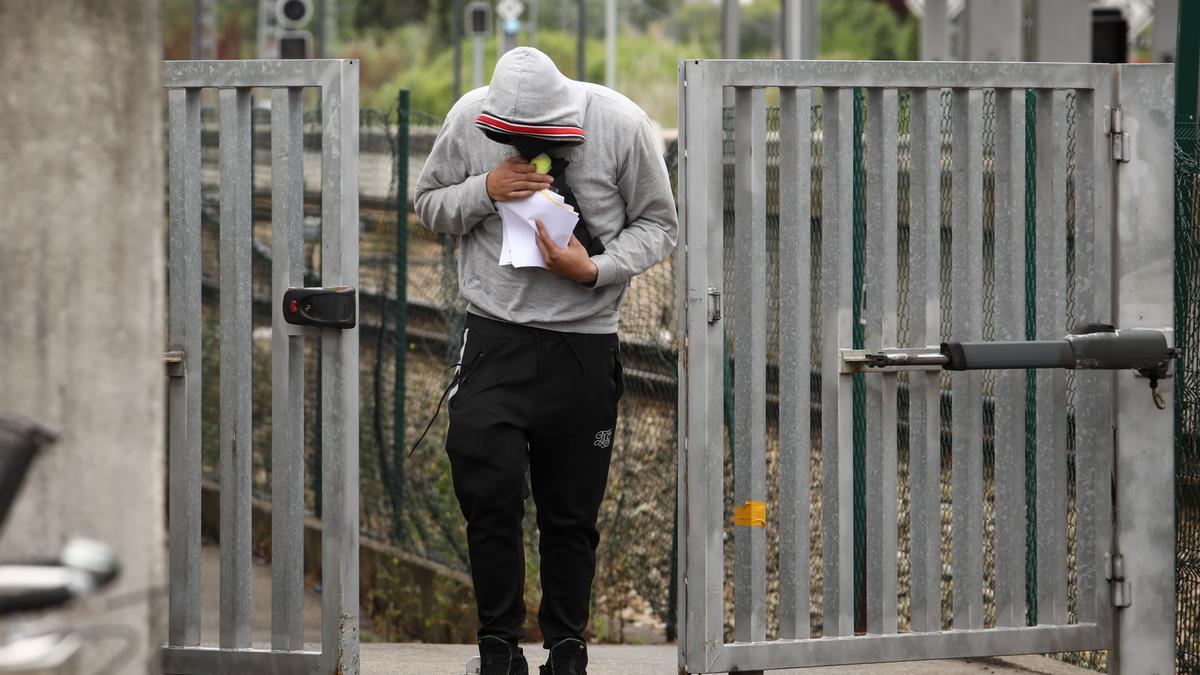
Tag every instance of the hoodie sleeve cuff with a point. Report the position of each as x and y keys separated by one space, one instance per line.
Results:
x=607 y=271
x=478 y=202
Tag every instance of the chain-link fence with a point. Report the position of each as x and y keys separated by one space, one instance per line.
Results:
x=411 y=318
x=411 y=321
x=1187 y=394
x=944 y=269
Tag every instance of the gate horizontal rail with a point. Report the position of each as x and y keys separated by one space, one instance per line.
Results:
x=337 y=81
x=1081 y=232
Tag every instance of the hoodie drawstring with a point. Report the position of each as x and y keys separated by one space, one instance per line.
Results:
x=459 y=378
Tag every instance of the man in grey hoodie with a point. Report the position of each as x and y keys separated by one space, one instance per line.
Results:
x=539 y=374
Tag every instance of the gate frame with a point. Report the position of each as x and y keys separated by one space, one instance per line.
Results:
x=1141 y=636
x=337 y=80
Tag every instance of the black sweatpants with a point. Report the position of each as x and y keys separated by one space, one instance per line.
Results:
x=546 y=401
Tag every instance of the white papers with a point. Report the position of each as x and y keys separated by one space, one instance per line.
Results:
x=519 y=245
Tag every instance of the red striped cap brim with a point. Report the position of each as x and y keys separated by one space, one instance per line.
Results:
x=555 y=133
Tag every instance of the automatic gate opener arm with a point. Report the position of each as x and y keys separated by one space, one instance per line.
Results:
x=1089 y=347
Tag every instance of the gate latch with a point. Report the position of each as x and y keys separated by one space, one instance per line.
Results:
x=1114 y=571
x=323 y=307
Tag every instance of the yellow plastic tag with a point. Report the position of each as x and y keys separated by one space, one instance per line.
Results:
x=750 y=514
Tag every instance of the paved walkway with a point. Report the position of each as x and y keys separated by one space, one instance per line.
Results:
x=441 y=659
x=422 y=659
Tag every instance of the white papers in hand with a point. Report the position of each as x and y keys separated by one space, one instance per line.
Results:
x=519 y=245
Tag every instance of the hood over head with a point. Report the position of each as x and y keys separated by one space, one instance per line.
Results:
x=531 y=105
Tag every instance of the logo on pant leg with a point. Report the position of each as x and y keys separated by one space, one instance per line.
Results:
x=603 y=438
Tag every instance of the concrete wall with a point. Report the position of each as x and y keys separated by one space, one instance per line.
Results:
x=82 y=273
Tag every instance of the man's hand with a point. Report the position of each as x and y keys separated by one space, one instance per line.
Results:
x=515 y=178
x=571 y=262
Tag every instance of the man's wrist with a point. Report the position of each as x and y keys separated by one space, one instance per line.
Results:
x=593 y=273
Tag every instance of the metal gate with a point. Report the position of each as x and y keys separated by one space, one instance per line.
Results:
x=959 y=202
x=337 y=81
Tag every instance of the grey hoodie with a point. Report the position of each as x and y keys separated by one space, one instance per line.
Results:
x=617 y=174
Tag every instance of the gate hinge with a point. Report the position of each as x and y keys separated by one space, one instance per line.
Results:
x=174 y=363
x=714 y=305
x=1118 y=137
x=1114 y=571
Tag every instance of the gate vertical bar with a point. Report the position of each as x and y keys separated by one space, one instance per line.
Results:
x=1097 y=403
x=837 y=400
x=1051 y=384
x=339 y=378
x=795 y=359
x=184 y=333
x=1145 y=460
x=287 y=372
x=1009 y=387
x=967 y=325
x=1092 y=421
x=750 y=394
x=236 y=451
x=703 y=409
x=924 y=412
x=880 y=308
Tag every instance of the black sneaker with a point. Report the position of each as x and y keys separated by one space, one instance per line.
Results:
x=567 y=657
x=498 y=656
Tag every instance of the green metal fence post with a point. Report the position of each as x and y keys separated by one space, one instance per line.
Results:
x=1187 y=65
x=1187 y=82
x=400 y=335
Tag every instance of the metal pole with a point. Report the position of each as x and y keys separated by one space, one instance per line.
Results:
x=1062 y=31
x=507 y=41
x=204 y=30
x=730 y=25
x=400 y=334
x=730 y=44
x=1187 y=65
x=267 y=44
x=610 y=43
x=458 y=22
x=477 y=52
x=533 y=21
x=800 y=27
x=581 y=40
x=935 y=31
x=329 y=28
x=993 y=30
x=1166 y=22
x=1144 y=456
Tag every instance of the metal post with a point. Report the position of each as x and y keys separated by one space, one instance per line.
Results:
x=458 y=19
x=730 y=25
x=477 y=53
x=400 y=336
x=1062 y=31
x=1187 y=69
x=993 y=30
x=1166 y=22
x=267 y=39
x=531 y=31
x=507 y=40
x=204 y=30
x=801 y=29
x=935 y=32
x=581 y=40
x=1144 y=462
x=329 y=28
x=610 y=43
